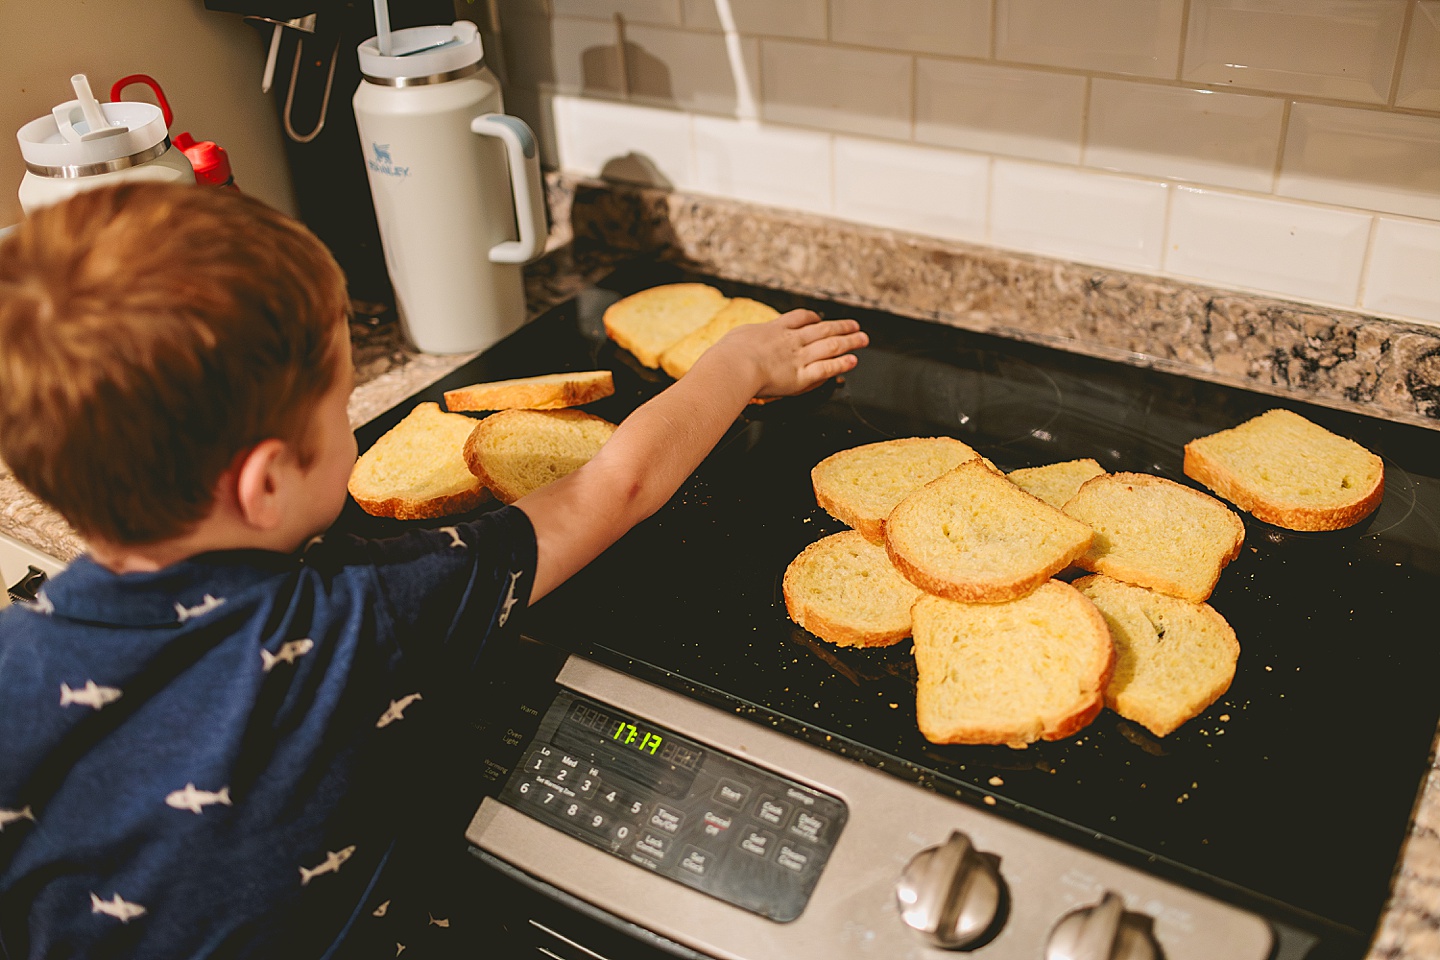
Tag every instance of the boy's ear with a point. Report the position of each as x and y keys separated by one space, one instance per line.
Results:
x=260 y=485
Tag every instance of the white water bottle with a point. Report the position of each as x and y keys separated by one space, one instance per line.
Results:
x=456 y=184
x=83 y=144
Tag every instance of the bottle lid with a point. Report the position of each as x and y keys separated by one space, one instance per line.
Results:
x=420 y=55
x=211 y=163
x=85 y=138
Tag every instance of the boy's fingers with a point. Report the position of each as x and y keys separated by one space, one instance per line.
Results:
x=796 y=319
x=821 y=370
x=833 y=345
x=827 y=329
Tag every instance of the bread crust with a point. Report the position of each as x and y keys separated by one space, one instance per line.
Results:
x=987 y=590
x=1093 y=629
x=809 y=614
x=1119 y=567
x=847 y=512
x=549 y=392
x=400 y=508
x=1163 y=723
x=1202 y=468
x=616 y=315
x=497 y=421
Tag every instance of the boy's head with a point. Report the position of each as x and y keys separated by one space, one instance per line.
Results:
x=150 y=334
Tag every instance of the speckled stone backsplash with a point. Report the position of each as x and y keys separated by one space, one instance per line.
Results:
x=1336 y=358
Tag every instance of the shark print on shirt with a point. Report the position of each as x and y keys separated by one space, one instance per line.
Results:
x=41 y=604
x=91 y=695
x=381 y=910
x=196 y=800
x=455 y=540
x=116 y=907
x=289 y=653
x=183 y=613
x=331 y=864
x=510 y=600
x=12 y=816
x=396 y=710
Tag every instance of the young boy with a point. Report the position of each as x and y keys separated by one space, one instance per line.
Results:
x=206 y=719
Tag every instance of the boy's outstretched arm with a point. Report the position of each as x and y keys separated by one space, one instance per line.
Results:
x=656 y=447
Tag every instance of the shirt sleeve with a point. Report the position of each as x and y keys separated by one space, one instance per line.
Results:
x=452 y=591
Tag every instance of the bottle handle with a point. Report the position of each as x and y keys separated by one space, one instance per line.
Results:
x=525 y=185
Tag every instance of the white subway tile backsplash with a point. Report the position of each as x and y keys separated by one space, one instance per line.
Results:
x=837 y=88
x=1078 y=215
x=801 y=19
x=938 y=193
x=959 y=28
x=1344 y=49
x=763 y=164
x=1225 y=139
x=1420 y=75
x=1363 y=158
x=1004 y=110
x=625 y=142
x=1140 y=37
x=1404 y=275
x=682 y=68
x=1267 y=245
x=639 y=11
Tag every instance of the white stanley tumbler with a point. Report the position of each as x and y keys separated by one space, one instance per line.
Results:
x=456 y=184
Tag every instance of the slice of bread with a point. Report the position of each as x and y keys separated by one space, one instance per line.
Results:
x=861 y=485
x=416 y=470
x=975 y=537
x=515 y=452
x=680 y=356
x=1173 y=658
x=1288 y=471
x=647 y=322
x=845 y=590
x=1055 y=483
x=550 y=391
x=1010 y=673
x=1156 y=533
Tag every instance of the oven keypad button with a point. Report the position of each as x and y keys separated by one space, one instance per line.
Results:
x=588 y=783
x=808 y=826
x=696 y=862
x=772 y=811
x=652 y=844
x=716 y=823
x=731 y=794
x=793 y=858
x=757 y=842
x=666 y=818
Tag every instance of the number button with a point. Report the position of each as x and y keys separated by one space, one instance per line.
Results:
x=589 y=784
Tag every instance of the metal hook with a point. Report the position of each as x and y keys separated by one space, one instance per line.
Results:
x=324 y=101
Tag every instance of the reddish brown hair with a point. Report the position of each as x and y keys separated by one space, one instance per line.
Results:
x=150 y=333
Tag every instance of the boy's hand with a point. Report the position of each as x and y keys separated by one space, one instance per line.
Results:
x=795 y=352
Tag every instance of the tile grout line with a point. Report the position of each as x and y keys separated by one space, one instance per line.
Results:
x=1405 y=27
x=1365 y=261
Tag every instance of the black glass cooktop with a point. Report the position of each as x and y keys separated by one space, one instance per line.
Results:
x=1292 y=793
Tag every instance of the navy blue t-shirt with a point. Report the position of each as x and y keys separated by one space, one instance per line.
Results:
x=216 y=759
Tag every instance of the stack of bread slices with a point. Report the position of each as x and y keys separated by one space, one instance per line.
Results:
x=437 y=463
x=669 y=326
x=947 y=549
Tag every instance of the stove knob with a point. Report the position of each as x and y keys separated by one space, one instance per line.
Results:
x=1105 y=931
x=950 y=893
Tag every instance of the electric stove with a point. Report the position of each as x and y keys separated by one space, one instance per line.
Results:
x=670 y=757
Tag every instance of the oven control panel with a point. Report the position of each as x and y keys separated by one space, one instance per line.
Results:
x=676 y=807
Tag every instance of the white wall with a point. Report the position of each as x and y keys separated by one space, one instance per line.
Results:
x=208 y=64
x=1288 y=147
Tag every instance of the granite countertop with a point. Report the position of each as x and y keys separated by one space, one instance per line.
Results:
x=1369 y=365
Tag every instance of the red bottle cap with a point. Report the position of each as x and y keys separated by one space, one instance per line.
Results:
x=211 y=164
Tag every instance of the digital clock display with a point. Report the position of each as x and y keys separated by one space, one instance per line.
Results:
x=634 y=736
